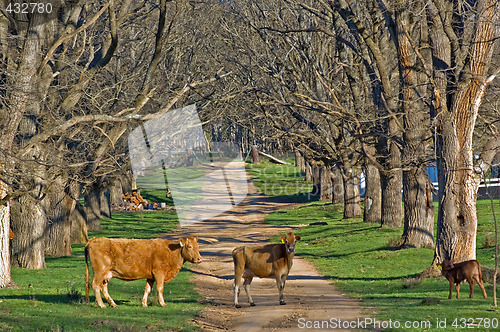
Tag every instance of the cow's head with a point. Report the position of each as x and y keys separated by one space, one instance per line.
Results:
x=189 y=249
x=289 y=241
x=446 y=265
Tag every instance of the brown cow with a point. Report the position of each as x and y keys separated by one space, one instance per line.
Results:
x=456 y=273
x=156 y=260
x=263 y=261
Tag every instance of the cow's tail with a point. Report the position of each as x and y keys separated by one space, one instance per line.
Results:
x=479 y=270
x=87 y=273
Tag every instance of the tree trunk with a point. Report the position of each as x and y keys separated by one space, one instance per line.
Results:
x=309 y=175
x=338 y=185
x=78 y=225
x=316 y=189
x=255 y=154
x=418 y=209
x=418 y=215
x=5 y=278
x=93 y=208
x=106 y=203
x=373 y=195
x=458 y=179
x=392 y=208
x=28 y=246
x=59 y=206
x=352 y=200
x=325 y=183
x=116 y=192
x=300 y=161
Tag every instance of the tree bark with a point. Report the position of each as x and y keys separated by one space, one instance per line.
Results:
x=28 y=246
x=308 y=167
x=60 y=206
x=93 y=207
x=373 y=195
x=5 y=278
x=338 y=185
x=316 y=189
x=418 y=214
x=352 y=200
x=78 y=225
x=300 y=161
x=325 y=182
x=106 y=203
x=392 y=208
x=255 y=154
x=458 y=178
x=418 y=209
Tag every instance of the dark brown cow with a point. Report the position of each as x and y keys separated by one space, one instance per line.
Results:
x=156 y=260
x=263 y=261
x=456 y=273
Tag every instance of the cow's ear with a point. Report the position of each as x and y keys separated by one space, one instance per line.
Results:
x=282 y=239
x=180 y=243
x=297 y=237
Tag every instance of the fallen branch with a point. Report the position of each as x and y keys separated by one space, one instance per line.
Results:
x=274 y=158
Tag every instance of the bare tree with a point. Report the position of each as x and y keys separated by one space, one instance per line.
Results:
x=75 y=81
x=462 y=56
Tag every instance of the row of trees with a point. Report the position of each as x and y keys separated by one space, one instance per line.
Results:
x=74 y=80
x=381 y=85
x=388 y=86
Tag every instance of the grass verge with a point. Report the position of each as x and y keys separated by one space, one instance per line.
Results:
x=52 y=299
x=284 y=182
x=358 y=258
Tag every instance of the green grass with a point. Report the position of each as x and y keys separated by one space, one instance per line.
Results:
x=358 y=258
x=284 y=182
x=52 y=299
x=188 y=183
x=139 y=225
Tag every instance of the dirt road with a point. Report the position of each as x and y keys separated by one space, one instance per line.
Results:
x=309 y=296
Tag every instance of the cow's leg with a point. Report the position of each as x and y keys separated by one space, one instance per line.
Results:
x=160 y=281
x=147 y=290
x=280 y=283
x=471 y=286
x=247 y=283
x=97 y=293
x=106 y=294
x=96 y=286
x=238 y=281
x=458 y=290
x=480 y=283
x=451 y=289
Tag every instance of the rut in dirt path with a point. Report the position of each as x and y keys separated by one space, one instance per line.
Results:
x=309 y=296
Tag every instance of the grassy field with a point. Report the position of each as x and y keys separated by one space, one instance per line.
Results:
x=285 y=182
x=52 y=299
x=359 y=259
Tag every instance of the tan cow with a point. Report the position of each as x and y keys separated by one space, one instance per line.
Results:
x=156 y=260
x=263 y=261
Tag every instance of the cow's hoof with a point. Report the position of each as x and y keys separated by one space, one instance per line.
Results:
x=237 y=306
x=252 y=304
x=282 y=302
